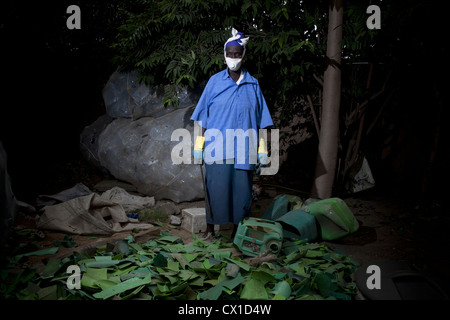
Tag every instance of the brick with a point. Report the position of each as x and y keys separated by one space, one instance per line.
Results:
x=194 y=220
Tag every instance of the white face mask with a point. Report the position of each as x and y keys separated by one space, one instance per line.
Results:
x=233 y=64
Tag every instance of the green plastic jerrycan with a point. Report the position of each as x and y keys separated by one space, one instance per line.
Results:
x=277 y=208
x=282 y=205
x=298 y=224
x=334 y=217
x=255 y=236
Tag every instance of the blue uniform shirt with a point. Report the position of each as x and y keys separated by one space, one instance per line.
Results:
x=232 y=114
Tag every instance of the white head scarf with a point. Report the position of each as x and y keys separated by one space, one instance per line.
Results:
x=237 y=38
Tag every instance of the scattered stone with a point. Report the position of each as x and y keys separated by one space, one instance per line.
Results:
x=167 y=207
x=175 y=220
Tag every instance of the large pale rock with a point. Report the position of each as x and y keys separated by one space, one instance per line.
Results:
x=132 y=141
x=125 y=97
x=139 y=152
x=89 y=139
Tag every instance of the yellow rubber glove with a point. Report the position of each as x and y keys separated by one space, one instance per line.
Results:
x=263 y=155
x=198 y=149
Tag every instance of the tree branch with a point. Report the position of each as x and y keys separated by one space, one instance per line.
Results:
x=319 y=79
x=380 y=112
x=265 y=256
x=313 y=112
x=361 y=108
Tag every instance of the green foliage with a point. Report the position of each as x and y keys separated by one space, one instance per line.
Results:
x=179 y=43
x=166 y=268
x=173 y=43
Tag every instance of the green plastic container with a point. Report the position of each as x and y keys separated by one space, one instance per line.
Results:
x=254 y=236
x=277 y=208
x=334 y=217
x=297 y=224
x=282 y=205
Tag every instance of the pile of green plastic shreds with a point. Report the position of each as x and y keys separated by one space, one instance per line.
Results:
x=165 y=268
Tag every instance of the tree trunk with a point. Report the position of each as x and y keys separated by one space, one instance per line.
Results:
x=329 y=131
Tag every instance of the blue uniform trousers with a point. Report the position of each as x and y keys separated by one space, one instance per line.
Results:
x=229 y=192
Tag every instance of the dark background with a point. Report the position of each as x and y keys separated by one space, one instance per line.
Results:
x=51 y=88
x=52 y=81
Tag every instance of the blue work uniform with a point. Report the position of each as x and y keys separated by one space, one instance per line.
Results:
x=227 y=109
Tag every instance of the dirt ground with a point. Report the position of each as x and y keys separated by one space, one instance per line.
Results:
x=390 y=229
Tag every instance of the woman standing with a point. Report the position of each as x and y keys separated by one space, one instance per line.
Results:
x=233 y=108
